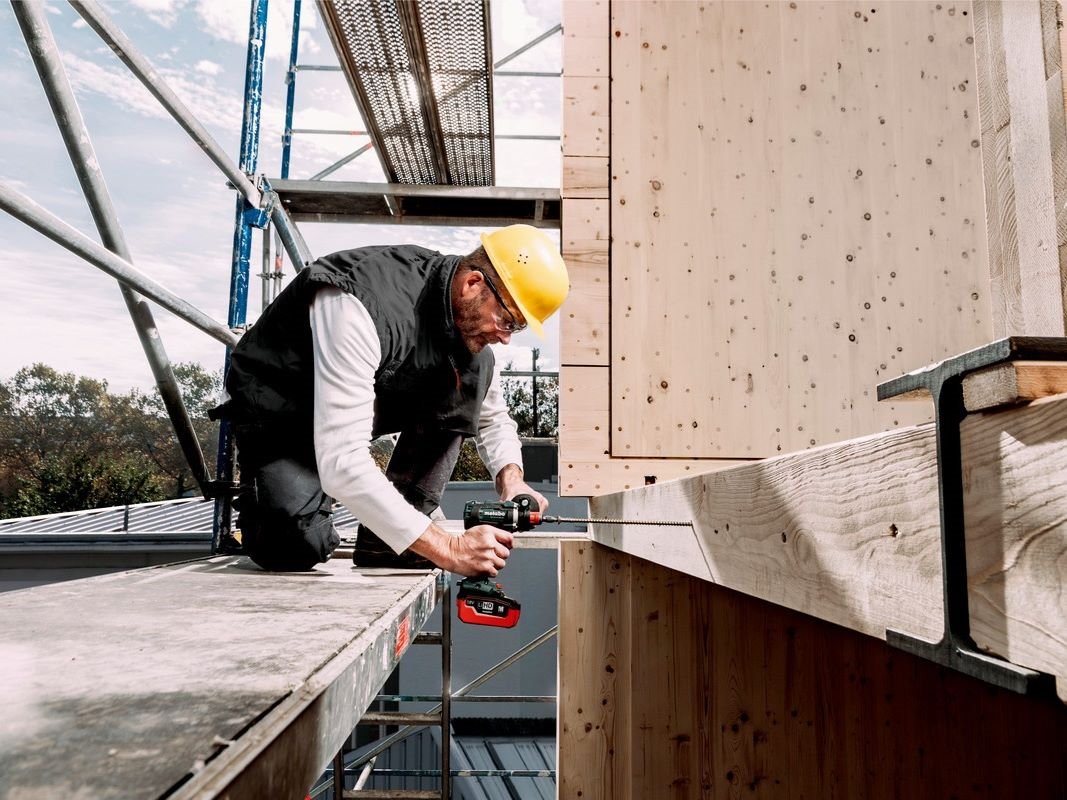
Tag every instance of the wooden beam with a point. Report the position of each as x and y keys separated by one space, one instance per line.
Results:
x=1015 y=382
x=849 y=533
x=585 y=116
x=584 y=177
x=585 y=316
x=594 y=655
x=671 y=687
x=1020 y=91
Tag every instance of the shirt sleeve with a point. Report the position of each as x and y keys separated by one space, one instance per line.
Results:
x=498 y=435
x=347 y=352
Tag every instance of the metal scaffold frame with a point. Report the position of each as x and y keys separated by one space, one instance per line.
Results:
x=258 y=205
x=113 y=257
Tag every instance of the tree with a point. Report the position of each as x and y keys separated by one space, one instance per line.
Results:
x=149 y=422
x=518 y=393
x=469 y=466
x=65 y=445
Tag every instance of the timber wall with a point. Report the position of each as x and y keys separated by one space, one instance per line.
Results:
x=769 y=208
x=683 y=689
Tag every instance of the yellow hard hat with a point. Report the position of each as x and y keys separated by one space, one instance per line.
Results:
x=529 y=264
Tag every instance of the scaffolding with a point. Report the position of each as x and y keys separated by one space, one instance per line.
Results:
x=438 y=155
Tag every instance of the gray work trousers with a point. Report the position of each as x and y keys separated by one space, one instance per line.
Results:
x=285 y=517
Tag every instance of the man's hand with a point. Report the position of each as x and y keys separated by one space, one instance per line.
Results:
x=510 y=483
x=481 y=550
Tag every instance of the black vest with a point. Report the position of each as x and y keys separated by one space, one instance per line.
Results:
x=426 y=378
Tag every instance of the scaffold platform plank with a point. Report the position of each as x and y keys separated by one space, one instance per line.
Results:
x=349 y=201
x=201 y=679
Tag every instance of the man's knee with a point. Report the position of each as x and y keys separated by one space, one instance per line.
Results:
x=289 y=544
x=285 y=518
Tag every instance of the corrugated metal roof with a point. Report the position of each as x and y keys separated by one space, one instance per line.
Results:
x=185 y=515
x=421 y=751
x=194 y=515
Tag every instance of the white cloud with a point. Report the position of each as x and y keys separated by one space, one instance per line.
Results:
x=163 y=12
x=517 y=23
x=208 y=103
x=208 y=67
x=79 y=23
x=229 y=22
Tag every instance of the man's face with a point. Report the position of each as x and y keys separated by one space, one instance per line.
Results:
x=480 y=317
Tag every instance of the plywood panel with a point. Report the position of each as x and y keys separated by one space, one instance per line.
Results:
x=850 y=533
x=583 y=413
x=586 y=56
x=734 y=697
x=586 y=26
x=584 y=464
x=585 y=316
x=584 y=176
x=797 y=214
x=585 y=116
x=583 y=221
x=594 y=674
x=1023 y=137
x=585 y=18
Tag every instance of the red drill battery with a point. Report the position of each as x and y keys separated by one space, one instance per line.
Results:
x=481 y=602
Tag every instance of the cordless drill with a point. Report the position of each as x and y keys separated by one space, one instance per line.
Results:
x=481 y=601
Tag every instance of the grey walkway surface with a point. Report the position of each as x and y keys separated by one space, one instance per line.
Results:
x=211 y=675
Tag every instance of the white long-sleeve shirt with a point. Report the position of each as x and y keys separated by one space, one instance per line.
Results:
x=347 y=353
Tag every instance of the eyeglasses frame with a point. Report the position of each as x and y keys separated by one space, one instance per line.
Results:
x=514 y=326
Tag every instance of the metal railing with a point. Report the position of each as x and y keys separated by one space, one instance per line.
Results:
x=362 y=764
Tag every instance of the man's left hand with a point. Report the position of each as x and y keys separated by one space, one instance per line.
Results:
x=510 y=483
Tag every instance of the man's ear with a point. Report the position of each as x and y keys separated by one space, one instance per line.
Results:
x=471 y=283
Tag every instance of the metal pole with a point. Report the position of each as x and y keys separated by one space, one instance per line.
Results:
x=339 y=775
x=446 y=689
x=290 y=92
x=532 y=43
x=336 y=165
x=266 y=278
x=533 y=391
x=242 y=245
x=407 y=730
x=98 y=20
x=42 y=47
x=292 y=239
x=26 y=210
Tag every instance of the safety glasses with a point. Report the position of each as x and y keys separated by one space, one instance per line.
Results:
x=511 y=324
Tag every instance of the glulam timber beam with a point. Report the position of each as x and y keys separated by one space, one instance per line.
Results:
x=849 y=533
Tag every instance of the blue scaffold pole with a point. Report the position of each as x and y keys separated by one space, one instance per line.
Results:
x=290 y=93
x=242 y=250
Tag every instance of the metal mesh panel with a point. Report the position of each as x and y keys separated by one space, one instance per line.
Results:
x=397 y=54
x=458 y=53
x=378 y=64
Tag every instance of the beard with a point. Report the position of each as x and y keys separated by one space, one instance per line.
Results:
x=466 y=317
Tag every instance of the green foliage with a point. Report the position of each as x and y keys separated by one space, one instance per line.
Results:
x=518 y=393
x=66 y=443
x=469 y=466
x=380 y=450
x=149 y=422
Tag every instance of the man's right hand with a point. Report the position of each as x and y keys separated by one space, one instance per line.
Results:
x=481 y=550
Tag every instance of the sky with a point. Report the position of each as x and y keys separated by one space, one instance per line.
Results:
x=176 y=211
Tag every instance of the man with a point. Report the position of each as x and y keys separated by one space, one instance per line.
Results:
x=381 y=340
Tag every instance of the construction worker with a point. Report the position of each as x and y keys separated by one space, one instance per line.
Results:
x=373 y=341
